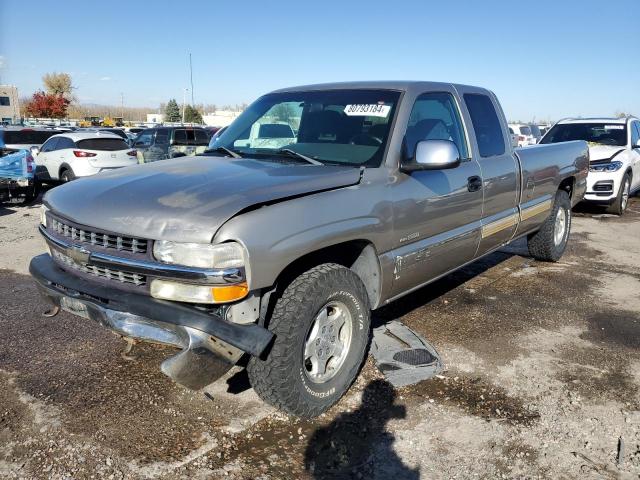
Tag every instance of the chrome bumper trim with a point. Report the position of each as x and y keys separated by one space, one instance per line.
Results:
x=154 y=269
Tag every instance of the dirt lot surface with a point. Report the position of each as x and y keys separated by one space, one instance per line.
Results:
x=542 y=381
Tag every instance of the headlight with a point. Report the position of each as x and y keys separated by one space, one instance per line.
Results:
x=43 y=215
x=223 y=255
x=186 y=292
x=606 y=167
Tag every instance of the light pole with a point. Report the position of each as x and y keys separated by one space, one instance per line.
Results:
x=184 y=102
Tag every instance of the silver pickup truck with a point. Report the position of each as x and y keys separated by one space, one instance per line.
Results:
x=316 y=206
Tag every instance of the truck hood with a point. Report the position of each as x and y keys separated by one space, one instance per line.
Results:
x=187 y=199
x=598 y=153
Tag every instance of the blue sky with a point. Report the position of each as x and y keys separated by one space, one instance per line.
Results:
x=544 y=59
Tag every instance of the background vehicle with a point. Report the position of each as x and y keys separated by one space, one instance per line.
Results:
x=160 y=143
x=525 y=137
x=614 y=148
x=544 y=128
x=282 y=250
x=25 y=138
x=17 y=173
x=116 y=131
x=535 y=131
x=68 y=156
x=514 y=138
x=213 y=138
x=211 y=130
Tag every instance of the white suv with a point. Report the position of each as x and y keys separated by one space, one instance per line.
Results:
x=524 y=134
x=614 y=151
x=80 y=154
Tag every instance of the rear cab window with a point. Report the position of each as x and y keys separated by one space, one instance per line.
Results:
x=103 y=144
x=486 y=125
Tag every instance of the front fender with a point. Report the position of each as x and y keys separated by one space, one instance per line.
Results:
x=277 y=235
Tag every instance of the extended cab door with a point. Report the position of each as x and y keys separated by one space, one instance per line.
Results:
x=436 y=213
x=499 y=167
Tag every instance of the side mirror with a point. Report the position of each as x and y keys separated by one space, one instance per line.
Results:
x=138 y=144
x=34 y=151
x=433 y=155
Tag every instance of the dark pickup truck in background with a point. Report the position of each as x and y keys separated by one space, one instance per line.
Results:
x=280 y=247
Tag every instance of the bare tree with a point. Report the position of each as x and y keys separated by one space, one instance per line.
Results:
x=58 y=84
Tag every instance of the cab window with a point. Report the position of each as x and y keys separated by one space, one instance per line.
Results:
x=435 y=116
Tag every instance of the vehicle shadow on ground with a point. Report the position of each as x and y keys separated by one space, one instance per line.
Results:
x=11 y=207
x=356 y=444
x=430 y=292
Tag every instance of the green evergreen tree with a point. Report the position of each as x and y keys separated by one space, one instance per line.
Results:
x=172 y=111
x=191 y=115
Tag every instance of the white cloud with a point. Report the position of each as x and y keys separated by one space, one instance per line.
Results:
x=105 y=79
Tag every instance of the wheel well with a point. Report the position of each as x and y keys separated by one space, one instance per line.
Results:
x=64 y=167
x=358 y=255
x=567 y=185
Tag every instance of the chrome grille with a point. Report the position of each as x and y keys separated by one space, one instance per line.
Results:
x=117 y=242
x=118 y=275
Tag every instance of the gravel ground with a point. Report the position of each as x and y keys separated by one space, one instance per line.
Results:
x=542 y=381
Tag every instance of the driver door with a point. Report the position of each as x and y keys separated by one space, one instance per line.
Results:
x=437 y=213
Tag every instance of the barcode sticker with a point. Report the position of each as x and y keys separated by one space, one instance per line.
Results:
x=367 y=110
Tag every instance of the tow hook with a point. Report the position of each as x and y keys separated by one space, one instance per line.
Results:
x=52 y=312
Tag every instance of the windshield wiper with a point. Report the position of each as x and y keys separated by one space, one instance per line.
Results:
x=293 y=153
x=222 y=149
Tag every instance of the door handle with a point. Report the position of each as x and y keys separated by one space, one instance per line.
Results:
x=474 y=183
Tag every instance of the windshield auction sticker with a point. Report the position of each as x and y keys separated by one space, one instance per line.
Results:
x=367 y=110
x=614 y=127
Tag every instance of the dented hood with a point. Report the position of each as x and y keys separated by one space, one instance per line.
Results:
x=187 y=199
x=598 y=153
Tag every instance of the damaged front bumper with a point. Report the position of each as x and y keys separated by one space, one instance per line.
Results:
x=209 y=345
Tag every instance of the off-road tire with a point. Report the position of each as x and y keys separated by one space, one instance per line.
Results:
x=67 y=176
x=619 y=206
x=541 y=244
x=280 y=379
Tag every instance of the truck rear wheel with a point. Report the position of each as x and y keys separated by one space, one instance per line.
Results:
x=322 y=330
x=548 y=243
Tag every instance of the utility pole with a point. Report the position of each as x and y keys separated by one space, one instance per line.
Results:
x=191 y=75
x=184 y=102
x=122 y=105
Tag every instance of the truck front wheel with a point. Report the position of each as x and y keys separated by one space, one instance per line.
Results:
x=322 y=330
x=548 y=243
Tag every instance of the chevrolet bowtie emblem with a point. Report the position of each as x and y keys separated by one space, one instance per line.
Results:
x=78 y=254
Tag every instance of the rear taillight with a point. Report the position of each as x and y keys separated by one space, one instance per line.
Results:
x=82 y=154
x=30 y=163
x=132 y=153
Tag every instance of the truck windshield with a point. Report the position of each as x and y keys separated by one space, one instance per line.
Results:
x=600 y=133
x=348 y=127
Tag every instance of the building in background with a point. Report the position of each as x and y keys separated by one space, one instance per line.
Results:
x=9 y=104
x=155 y=117
x=220 y=118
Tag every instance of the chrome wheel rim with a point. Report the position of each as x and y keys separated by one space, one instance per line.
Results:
x=560 y=226
x=625 y=194
x=328 y=342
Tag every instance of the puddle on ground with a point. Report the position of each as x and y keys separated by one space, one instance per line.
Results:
x=617 y=327
x=475 y=397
